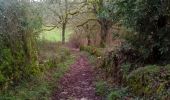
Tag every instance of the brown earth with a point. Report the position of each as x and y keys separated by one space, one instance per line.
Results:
x=78 y=82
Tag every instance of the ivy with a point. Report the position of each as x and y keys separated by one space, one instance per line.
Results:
x=149 y=19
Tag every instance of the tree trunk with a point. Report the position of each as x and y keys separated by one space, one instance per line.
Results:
x=63 y=33
x=88 y=40
x=104 y=31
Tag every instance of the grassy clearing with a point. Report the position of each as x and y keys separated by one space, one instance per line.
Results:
x=40 y=88
x=54 y=35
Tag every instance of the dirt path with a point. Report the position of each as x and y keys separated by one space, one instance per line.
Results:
x=77 y=84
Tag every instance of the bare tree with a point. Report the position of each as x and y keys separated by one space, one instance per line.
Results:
x=59 y=12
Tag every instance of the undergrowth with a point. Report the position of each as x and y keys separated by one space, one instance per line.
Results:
x=41 y=87
x=137 y=81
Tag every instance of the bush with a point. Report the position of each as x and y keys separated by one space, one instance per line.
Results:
x=114 y=95
x=148 y=21
x=101 y=88
x=150 y=81
x=18 y=51
x=118 y=94
x=92 y=50
x=120 y=62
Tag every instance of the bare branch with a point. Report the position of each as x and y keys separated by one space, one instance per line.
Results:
x=54 y=11
x=87 y=22
x=53 y=27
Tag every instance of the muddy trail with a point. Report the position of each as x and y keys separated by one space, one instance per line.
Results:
x=78 y=82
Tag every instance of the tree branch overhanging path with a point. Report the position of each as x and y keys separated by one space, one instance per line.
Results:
x=60 y=12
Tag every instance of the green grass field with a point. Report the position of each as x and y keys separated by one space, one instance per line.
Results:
x=54 y=35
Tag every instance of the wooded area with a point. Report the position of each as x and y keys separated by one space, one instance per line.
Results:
x=105 y=50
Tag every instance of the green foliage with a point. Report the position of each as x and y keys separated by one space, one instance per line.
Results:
x=150 y=81
x=141 y=81
x=114 y=95
x=41 y=87
x=107 y=63
x=126 y=67
x=149 y=21
x=123 y=60
x=103 y=9
x=18 y=52
x=110 y=93
x=101 y=88
x=92 y=50
x=117 y=94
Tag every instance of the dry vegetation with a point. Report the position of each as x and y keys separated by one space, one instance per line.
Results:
x=127 y=41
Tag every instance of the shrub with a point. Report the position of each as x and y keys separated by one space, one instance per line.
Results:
x=92 y=50
x=118 y=94
x=18 y=52
x=119 y=62
x=101 y=88
x=148 y=20
x=150 y=80
x=114 y=95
